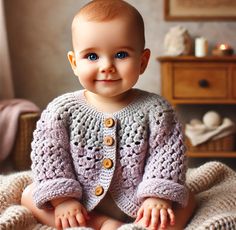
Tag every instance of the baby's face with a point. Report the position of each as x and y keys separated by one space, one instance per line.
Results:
x=108 y=55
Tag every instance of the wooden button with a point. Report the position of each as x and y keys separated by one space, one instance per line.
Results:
x=99 y=190
x=107 y=163
x=109 y=122
x=108 y=140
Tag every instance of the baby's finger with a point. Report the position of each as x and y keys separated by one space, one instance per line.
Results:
x=171 y=216
x=163 y=218
x=65 y=223
x=73 y=222
x=139 y=215
x=80 y=218
x=58 y=223
x=155 y=218
x=147 y=216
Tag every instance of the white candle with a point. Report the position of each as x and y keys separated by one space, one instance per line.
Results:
x=201 y=47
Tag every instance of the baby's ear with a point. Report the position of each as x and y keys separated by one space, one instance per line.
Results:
x=71 y=58
x=145 y=58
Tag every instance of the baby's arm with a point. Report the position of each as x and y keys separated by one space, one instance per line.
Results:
x=155 y=212
x=69 y=213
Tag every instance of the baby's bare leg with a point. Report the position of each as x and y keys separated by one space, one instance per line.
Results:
x=97 y=221
x=43 y=216
x=102 y=222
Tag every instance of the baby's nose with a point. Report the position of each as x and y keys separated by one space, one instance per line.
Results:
x=107 y=67
x=108 y=70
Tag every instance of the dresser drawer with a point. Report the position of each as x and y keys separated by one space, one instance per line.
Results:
x=200 y=83
x=234 y=83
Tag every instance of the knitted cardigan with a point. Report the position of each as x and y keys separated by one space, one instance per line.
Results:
x=144 y=149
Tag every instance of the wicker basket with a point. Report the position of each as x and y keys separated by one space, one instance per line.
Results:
x=20 y=154
x=222 y=144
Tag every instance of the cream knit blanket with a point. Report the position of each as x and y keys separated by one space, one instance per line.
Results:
x=213 y=183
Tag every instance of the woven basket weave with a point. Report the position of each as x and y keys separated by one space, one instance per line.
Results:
x=222 y=144
x=20 y=154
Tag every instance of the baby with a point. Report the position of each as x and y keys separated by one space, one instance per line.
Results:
x=109 y=154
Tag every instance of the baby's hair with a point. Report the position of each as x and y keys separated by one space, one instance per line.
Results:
x=105 y=10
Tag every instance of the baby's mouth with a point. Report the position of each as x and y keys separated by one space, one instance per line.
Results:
x=108 y=80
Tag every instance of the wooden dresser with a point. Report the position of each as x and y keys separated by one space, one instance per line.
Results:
x=193 y=80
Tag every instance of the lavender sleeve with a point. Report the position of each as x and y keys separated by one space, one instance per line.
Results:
x=165 y=169
x=51 y=161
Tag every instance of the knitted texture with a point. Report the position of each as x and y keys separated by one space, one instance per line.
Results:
x=131 y=227
x=12 y=215
x=144 y=143
x=79 y=228
x=214 y=184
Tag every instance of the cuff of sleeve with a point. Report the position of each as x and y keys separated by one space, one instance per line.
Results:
x=163 y=189
x=56 y=188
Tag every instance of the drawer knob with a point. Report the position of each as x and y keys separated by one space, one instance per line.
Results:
x=203 y=83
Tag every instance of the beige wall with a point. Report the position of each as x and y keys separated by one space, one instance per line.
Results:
x=6 y=85
x=39 y=38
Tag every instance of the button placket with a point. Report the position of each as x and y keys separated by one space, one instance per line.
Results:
x=109 y=131
x=109 y=156
x=109 y=142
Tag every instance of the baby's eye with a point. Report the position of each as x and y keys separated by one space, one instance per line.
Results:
x=92 y=56
x=121 y=55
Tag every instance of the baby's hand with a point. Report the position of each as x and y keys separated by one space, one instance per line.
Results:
x=70 y=213
x=155 y=212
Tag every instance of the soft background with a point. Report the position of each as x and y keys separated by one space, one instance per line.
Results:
x=39 y=37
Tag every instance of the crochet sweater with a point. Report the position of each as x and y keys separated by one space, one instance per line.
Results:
x=134 y=153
